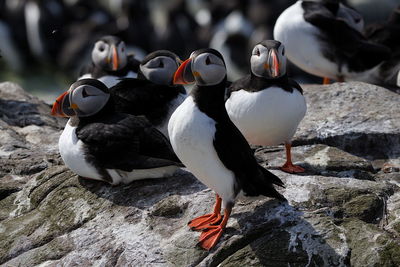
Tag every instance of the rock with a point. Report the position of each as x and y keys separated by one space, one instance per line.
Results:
x=359 y=118
x=344 y=211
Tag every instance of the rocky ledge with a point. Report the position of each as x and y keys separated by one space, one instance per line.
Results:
x=344 y=211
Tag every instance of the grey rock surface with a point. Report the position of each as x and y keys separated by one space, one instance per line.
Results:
x=344 y=211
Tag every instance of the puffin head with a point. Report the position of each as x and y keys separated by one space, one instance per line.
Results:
x=109 y=53
x=84 y=98
x=159 y=67
x=204 y=67
x=268 y=59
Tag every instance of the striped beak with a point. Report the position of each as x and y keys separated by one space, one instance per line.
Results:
x=184 y=75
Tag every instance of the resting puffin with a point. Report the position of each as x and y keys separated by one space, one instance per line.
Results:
x=388 y=34
x=211 y=147
x=152 y=94
x=266 y=105
x=110 y=62
x=101 y=144
x=323 y=38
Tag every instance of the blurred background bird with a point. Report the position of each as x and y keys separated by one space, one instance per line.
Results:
x=45 y=43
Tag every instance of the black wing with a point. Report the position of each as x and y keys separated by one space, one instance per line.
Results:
x=240 y=84
x=142 y=97
x=345 y=44
x=294 y=84
x=252 y=83
x=236 y=154
x=125 y=142
x=387 y=33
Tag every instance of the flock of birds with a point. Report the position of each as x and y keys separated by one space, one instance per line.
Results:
x=133 y=119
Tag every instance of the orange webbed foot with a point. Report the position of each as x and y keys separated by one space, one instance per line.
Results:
x=205 y=221
x=290 y=168
x=210 y=237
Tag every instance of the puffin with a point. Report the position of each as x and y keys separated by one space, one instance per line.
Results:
x=324 y=38
x=388 y=34
x=110 y=62
x=153 y=93
x=211 y=147
x=101 y=144
x=266 y=105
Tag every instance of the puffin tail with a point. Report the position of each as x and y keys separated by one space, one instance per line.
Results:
x=269 y=180
x=263 y=184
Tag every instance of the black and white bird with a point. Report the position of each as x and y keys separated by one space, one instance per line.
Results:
x=388 y=34
x=101 y=144
x=152 y=94
x=211 y=147
x=110 y=62
x=323 y=38
x=266 y=105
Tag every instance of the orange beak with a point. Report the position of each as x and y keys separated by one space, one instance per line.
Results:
x=57 y=106
x=275 y=64
x=180 y=72
x=115 y=62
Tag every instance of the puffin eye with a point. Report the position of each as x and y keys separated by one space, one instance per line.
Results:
x=84 y=93
x=122 y=49
x=101 y=48
x=258 y=52
x=161 y=65
x=208 y=60
x=283 y=51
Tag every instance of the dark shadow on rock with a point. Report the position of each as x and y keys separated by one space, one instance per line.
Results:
x=276 y=241
x=370 y=146
x=20 y=113
x=145 y=193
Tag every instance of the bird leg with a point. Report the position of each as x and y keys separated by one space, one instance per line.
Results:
x=326 y=80
x=209 y=237
x=288 y=166
x=205 y=221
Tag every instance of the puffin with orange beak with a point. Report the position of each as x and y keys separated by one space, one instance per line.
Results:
x=211 y=147
x=110 y=62
x=101 y=144
x=266 y=105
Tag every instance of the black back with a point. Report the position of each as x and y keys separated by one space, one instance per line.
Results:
x=123 y=142
x=142 y=97
x=253 y=83
x=344 y=45
x=387 y=33
x=231 y=147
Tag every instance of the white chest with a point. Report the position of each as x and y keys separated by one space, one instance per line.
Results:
x=71 y=150
x=163 y=126
x=191 y=134
x=303 y=47
x=267 y=117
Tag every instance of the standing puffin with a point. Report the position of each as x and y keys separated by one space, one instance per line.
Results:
x=266 y=105
x=211 y=147
x=152 y=94
x=110 y=62
x=101 y=144
x=323 y=38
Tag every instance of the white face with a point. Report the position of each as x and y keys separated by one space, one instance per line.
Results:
x=160 y=70
x=208 y=69
x=109 y=56
x=351 y=17
x=268 y=62
x=87 y=100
